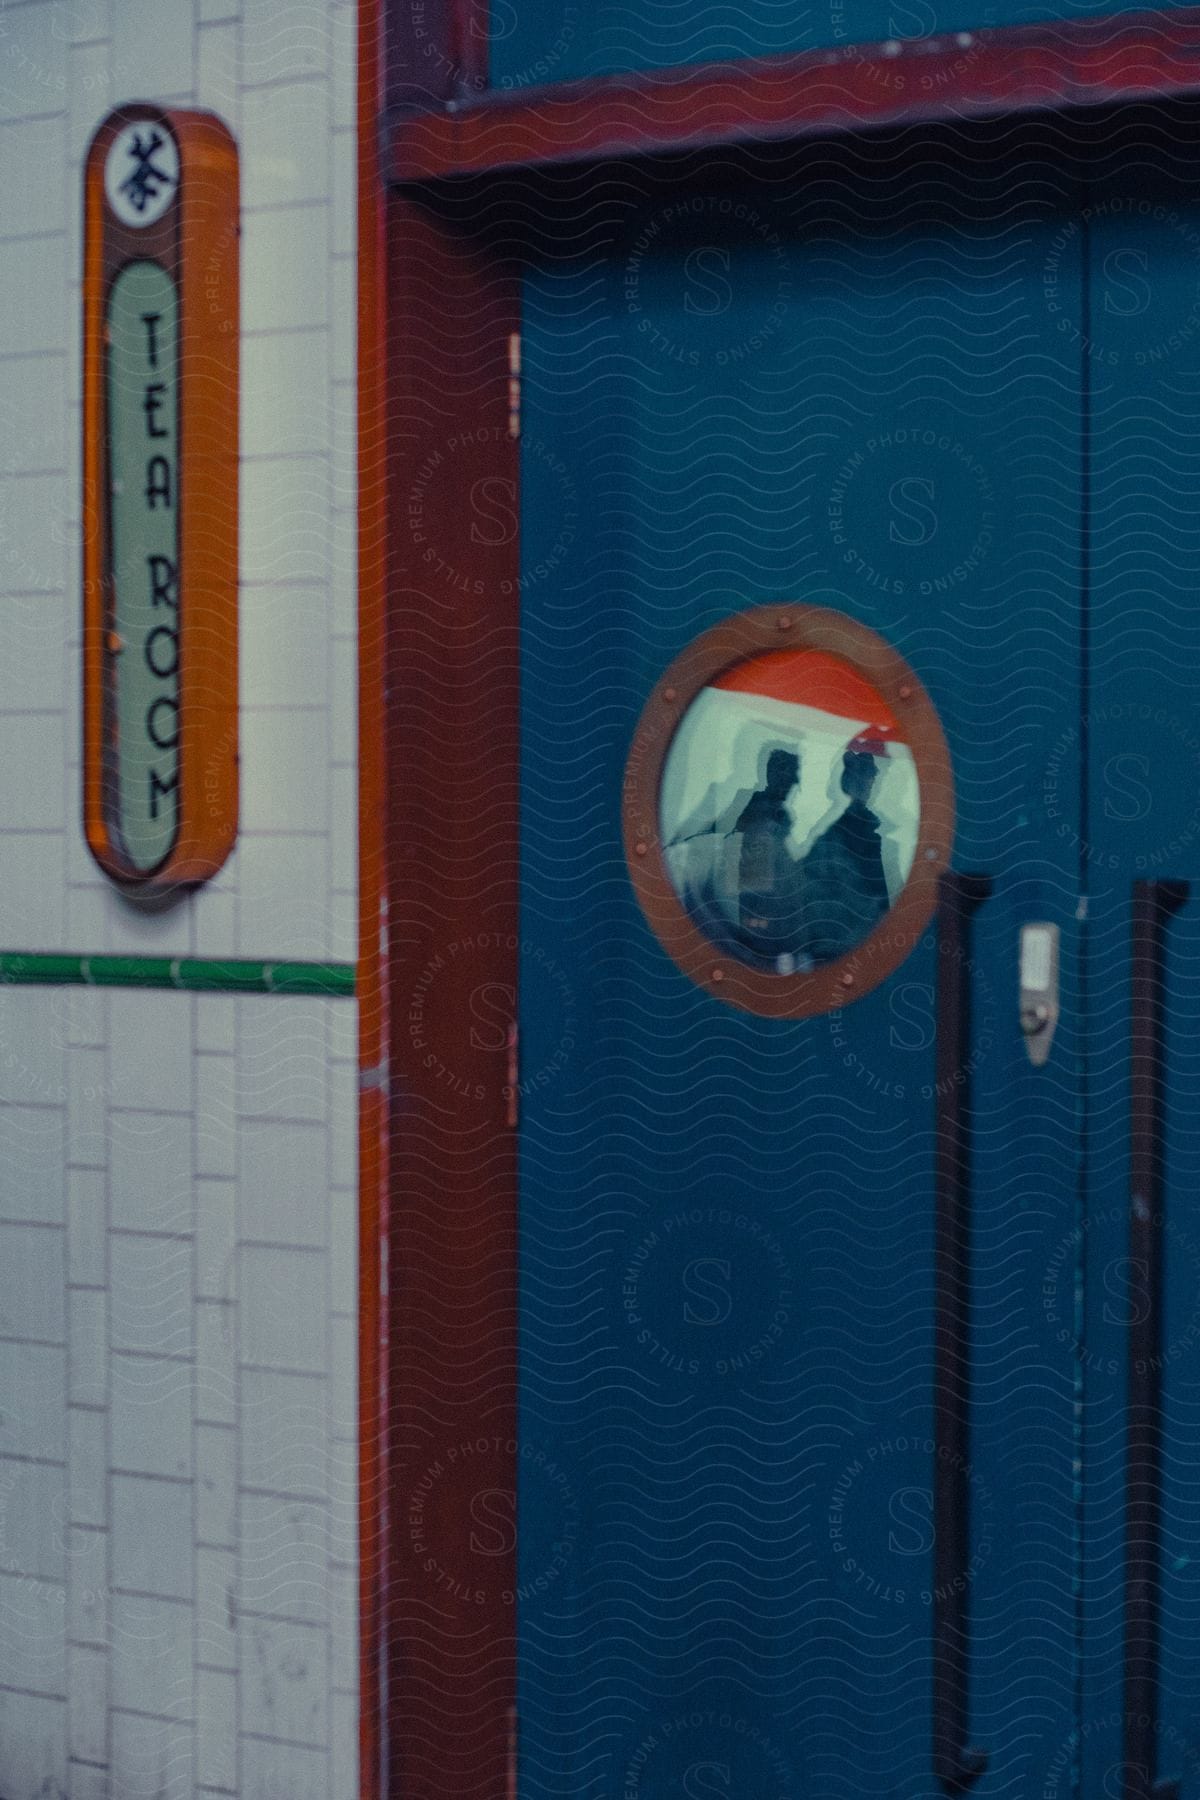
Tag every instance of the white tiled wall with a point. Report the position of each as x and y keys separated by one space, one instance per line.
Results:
x=177 y=1174
x=281 y=75
x=177 y=1396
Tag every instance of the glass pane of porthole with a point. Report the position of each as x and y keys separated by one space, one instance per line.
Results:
x=789 y=810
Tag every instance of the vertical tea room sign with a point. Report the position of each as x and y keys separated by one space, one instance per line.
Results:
x=160 y=470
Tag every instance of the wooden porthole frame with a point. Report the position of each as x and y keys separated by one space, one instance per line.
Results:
x=745 y=635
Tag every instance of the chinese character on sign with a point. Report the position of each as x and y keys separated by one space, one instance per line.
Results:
x=147 y=179
x=141 y=172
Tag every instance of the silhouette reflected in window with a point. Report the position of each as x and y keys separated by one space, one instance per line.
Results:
x=789 y=810
x=845 y=888
x=770 y=899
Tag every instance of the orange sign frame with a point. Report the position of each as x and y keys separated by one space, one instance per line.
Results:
x=194 y=236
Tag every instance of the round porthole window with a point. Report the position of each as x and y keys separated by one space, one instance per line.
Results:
x=788 y=810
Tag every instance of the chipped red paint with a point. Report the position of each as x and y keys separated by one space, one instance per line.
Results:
x=447 y=685
x=451 y=798
x=1035 y=68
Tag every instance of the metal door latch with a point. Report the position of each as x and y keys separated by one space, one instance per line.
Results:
x=512 y=1079
x=1039 y=989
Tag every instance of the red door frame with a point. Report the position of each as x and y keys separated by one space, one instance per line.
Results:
x=439 y=313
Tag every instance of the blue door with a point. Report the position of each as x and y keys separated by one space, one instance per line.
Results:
x=799 y=1481
x=1140 y=869
x=846 y=1470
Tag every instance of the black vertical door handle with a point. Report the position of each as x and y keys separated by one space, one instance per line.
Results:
x=956 y=1766
x=1153 y=904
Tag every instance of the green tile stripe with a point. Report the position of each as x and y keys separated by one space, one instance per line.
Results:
x=189 y=974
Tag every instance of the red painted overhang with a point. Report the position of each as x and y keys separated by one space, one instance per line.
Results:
x=966 y=75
